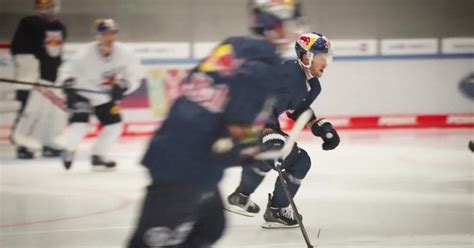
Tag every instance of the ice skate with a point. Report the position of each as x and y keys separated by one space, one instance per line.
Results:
x=23 y=153
x=279 y=217
x=99 y=162
x=241 y=204
x=49 y=152
x=67 y=157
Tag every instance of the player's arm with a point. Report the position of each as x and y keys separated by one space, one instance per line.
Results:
x=240 y=144
x=22 y=49
x=133 y=77
x=243 y=138
x=23 y=42
x=323 y=129
x=313 y=93
x=69 y=75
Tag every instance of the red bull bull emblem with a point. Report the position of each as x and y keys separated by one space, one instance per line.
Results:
x=221 y=60
x=305 y=40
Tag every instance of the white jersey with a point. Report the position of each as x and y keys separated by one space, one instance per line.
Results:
x=94 y=72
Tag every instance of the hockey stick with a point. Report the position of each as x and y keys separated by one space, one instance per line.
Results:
x=297 y=128
x=296 y=214
x=12 y=81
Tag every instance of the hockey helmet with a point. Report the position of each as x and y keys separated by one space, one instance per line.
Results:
x=47 y=6
x=105 y=25
x=312 y=44
x=266 y=14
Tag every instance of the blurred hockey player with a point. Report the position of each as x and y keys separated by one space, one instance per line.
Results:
x=103 y=65
x=467 y=89
x=222 y=97
x=37 y=48
x=301 y=76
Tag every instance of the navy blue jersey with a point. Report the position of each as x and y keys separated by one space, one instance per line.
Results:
x=295 y=92
x=42 y=38
x=229 y=86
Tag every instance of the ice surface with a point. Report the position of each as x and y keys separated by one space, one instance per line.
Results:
x=407 y=188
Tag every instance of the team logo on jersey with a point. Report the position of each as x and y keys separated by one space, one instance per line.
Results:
x=53 y=43
x=115 y=110
x=221 y=60
x=108 y=81
x=111 y=77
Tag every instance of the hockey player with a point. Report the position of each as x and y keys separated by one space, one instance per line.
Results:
x=301 y=76
x=103 y=65
x=221 y=99
x=37 y=48
x=467 y=89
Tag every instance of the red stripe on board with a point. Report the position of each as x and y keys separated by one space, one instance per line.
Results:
x=431 y=120
x=4 y=45
x=463 y=120
x=364 y=122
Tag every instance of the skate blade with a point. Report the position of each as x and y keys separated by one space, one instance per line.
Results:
x=277 y=225
x=239 y=211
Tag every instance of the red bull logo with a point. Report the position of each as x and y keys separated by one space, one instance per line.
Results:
x=108 y=81
x=221 y=60
x=305 y=40
x=53 y=43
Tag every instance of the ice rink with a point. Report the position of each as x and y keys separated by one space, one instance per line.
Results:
x=393 y=188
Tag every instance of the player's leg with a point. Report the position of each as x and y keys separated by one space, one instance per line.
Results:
x=43 y=120
x=168 y=216
x=278 y=213
x=22 y=152
x=79 y=110
x=239 y=201
x=210 y=224
x=111 y=120
x=52 y=119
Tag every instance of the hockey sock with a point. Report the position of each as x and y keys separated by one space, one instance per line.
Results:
x=74 y=134
x=107 y=137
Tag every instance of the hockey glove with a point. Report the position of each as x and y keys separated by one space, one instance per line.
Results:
x=240 y=144
x=274 y=141
x=117 y=92
x=328 y=134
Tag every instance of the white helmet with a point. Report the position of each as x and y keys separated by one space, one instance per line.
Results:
x=105 y=25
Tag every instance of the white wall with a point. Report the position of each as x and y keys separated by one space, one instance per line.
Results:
x=407 y=86
x=376 y=86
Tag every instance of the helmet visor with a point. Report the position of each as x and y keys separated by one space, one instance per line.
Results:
x=323 y=58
